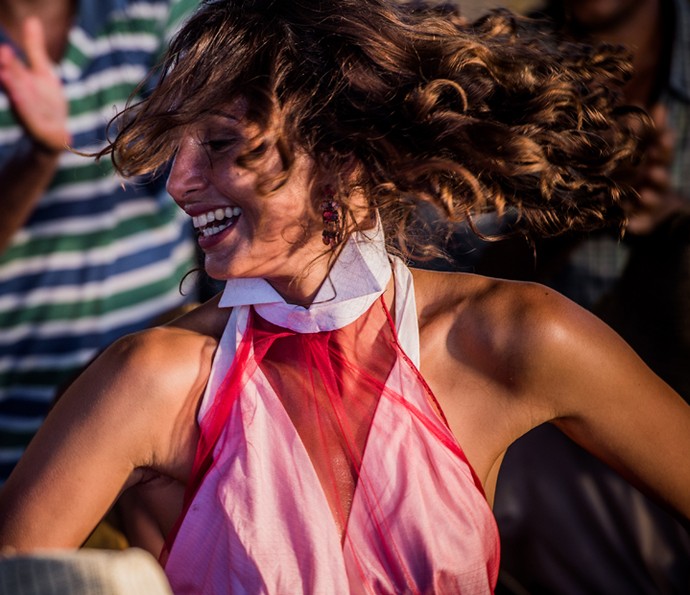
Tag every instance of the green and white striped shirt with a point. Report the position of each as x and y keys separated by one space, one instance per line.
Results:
x=98 y=258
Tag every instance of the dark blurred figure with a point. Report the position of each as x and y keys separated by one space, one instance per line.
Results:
x=657 y=32
x=617 y=541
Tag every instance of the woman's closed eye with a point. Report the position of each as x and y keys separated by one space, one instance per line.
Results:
x=221 y=145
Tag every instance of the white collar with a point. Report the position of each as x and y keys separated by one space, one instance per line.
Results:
x=357 y=278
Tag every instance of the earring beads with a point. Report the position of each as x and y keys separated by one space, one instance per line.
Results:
x=330 y=210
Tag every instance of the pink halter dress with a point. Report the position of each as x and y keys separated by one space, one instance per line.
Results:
x=325 y=464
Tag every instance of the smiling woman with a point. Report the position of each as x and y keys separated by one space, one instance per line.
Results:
x=334 y=421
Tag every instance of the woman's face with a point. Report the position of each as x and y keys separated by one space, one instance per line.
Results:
x=243 y=232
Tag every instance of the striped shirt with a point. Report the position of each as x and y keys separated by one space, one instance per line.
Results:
x=98 y=258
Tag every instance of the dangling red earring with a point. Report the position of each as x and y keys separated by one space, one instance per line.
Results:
x=330 y=209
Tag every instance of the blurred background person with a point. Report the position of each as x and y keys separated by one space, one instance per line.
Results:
x=657 y=33
x=83 y=258
x=614 y=540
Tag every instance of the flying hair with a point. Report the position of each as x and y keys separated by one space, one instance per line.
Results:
x=496 y=115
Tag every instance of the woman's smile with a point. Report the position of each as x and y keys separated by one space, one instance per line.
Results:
x=214 y=225
x=216 y=220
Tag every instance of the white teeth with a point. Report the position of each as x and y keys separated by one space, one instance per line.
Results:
x=211 y=231
x=216 y=215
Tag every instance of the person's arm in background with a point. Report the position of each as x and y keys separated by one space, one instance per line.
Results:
x=38 y=102
x=658 y=199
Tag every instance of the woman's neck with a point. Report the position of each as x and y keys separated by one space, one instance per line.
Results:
x=303 y=290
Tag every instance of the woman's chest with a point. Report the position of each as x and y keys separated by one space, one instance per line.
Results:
x=485 y=411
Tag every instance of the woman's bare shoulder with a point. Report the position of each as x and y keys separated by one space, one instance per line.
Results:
x=433 y=288
x=481 y=301
x=153 y=379
x=503 y=325
x=161 y=350
x=528 y=338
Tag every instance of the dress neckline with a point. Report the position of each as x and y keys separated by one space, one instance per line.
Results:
x=357 y=278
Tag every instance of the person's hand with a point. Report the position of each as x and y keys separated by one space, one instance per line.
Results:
x=653 y=180
x=35 y=92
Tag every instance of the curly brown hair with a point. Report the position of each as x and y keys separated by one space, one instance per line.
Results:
x=495 y=115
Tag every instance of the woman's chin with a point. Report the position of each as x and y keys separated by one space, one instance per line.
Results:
x=223 y=269
x=218 y=270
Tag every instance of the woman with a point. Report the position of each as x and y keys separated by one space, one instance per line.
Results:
x=333 y=421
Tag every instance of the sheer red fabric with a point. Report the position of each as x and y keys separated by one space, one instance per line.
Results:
x=331 y=385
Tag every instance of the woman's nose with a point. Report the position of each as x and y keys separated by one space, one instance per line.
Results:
x=188 y=173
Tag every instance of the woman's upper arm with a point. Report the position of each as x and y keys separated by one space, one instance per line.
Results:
x=99 y=432
x=605 y=398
